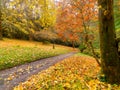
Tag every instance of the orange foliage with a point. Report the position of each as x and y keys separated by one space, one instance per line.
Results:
x=73 y=16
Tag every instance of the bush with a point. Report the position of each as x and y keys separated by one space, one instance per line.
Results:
x=89 y=52
x=82 y=47
x=46 y=42
x=97 y=52
x=118 y=32
x=46 y=35
x=14 y=33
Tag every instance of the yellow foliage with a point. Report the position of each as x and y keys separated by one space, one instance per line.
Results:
x=20 y=87
x=74 y=73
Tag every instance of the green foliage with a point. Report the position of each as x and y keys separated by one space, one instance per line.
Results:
x=87 y=51
x=96 y=42
x=14 y=33
x=82 y=47
x=46 y=42
x=97 y=52
x=81 y=54
x=118 y=35
x=118 y=32
x=102 y=77
x=117 y=14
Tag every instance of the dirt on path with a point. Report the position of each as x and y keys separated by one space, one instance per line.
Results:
x=13 y=76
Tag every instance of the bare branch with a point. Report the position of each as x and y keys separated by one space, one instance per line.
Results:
x=94 y=54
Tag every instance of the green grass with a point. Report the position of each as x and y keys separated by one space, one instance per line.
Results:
x=88 y=53
x=81 y=54
x=13 y=55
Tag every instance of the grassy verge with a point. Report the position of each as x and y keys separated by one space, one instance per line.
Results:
x=81 y=54
x=75 y=73
x=16 y=52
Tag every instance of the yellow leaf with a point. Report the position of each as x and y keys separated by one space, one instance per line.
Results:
x=18 y=88
x=67 y=85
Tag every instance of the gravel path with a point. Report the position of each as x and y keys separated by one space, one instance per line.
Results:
x=13 y=76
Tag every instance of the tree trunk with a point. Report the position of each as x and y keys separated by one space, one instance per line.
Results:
x=73 y=44
x=53 y=46
x=0 y=25
x=109 y=54
x=0 y=30
x=30 y=36
x=93 y=52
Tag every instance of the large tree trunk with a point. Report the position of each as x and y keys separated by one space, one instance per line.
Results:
x=0 y=24
x=0 y=29
x=109 y=53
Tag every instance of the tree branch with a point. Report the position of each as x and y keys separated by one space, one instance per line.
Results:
x=94 y=54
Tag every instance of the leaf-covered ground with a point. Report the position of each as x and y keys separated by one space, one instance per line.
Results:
x=16 y=52
x=74 y=73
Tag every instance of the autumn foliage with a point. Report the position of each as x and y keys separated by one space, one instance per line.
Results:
x=75 y=17
x=75 y=73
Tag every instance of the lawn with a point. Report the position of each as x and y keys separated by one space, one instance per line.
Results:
x=15 y=52
x=74 y=73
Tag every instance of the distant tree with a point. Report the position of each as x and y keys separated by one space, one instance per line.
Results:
x=67 y=25
x=74 y=20
x=27 y=16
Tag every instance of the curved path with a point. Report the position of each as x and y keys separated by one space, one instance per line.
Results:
x=13 y=76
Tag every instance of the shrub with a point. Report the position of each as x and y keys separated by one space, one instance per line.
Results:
x=97 y=52
x=50 y=36
x=89 y=52
x=82 y=47
x=14 y=33
x=44 y=35
x=46 y=42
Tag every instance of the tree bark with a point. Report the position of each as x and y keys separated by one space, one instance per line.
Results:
x=0 y=24
x=94 y=54
x=109 y=53
x=0 y=30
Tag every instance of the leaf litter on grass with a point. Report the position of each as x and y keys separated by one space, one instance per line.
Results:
x=74 y=73
x=17 y=52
